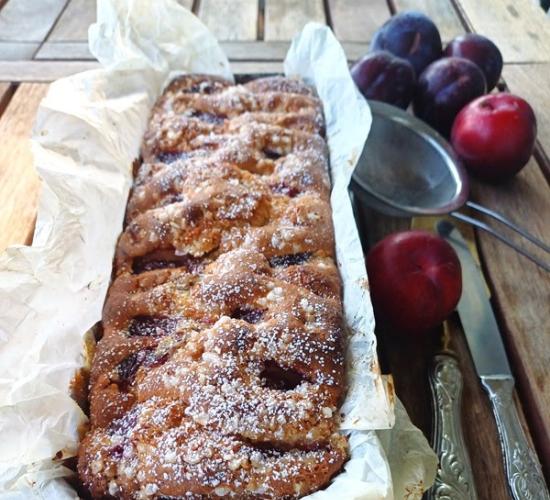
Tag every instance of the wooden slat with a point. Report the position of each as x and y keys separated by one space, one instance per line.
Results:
x=285 y=18
x=47 y=71
x=28 y=20
x=64 y=51
x=16 y=51
x=442 y=12
x=532 y=82
x=521 y=292
x=19 y=182
x=37 y=71
x=277 y=50
x=254 y=67
x=235 y=20
x=74 y=22
x=357 y=20
x=236 y=51
x=519 y=27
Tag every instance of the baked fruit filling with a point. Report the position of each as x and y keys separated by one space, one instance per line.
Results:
x=221 y=366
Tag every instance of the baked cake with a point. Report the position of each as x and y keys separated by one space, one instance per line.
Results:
x=220 y=369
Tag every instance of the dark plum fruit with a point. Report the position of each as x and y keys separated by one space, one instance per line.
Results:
x=412 y=36
x=444 y=88
x=481 y=51
x=384 y=77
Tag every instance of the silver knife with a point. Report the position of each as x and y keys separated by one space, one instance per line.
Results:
x=523 y=469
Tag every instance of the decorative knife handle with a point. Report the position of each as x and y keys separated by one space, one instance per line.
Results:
x=454 y=478
x=523 y=470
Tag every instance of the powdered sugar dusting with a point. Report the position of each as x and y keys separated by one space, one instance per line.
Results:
x=221 y=367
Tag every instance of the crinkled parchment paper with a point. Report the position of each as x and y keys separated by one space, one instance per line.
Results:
x=87 y=134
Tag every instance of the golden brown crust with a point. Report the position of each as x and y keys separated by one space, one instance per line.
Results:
x=220 y=370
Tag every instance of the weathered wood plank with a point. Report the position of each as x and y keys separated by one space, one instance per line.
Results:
x=532 y=82
x=442 y=12
x=235 y=20
x=73 y=24
x=519 y=27
x=38 y=71
x=277 y=50
x=521 y=292
x=47 y=71
x=236 y=51
x=255 y=67
x=285 y=18
x=19 y=182
x=357 y=20
x=16 y=51
x=64 y=51
x=28 y=20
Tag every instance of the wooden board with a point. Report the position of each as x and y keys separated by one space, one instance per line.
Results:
x=15 y=51
x=285 y=18
x=357 y=20
x=521 y=292
x=442 y=12
x=235 y=20
x=28 y=20
x=19 y=182
x=34 y=71
x=519 y=27
x=74 y=22
x=64 y=51
x=37 y=71
x=236 y=51
x=532 y=82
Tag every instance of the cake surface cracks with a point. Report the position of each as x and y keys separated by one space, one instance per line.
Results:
x=221 y=366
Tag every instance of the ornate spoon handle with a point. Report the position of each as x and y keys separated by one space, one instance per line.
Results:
x=454 y=478
x=523 y=470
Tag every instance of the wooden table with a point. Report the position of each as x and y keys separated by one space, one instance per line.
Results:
x=44 y=40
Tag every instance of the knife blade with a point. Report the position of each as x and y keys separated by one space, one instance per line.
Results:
x=475 y=311
x=522 y=467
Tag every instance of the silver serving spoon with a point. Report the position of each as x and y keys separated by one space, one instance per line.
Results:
x=408 y=169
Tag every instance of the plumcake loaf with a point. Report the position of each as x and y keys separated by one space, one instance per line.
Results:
x=220 y=370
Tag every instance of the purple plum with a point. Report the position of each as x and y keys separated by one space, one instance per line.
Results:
x=481 y=51
x=412 y=36
x=444 y=88
x=384 y=77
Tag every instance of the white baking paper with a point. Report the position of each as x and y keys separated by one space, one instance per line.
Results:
x=316 y=56
x=87 y=134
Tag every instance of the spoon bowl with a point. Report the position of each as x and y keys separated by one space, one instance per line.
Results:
x=407 y=168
